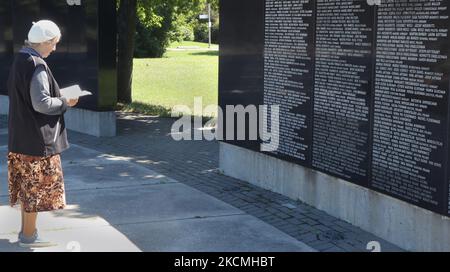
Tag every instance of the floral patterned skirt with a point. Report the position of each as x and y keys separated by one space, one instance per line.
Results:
x=37 y=182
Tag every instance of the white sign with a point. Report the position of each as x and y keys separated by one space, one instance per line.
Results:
x=204 y=16
x=374 y=2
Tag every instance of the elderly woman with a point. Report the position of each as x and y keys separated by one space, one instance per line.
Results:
x=37 y=134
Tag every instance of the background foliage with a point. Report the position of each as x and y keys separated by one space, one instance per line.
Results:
x=161 y=22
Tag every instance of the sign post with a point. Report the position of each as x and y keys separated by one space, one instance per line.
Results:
x=204 y=17
x=209 y=25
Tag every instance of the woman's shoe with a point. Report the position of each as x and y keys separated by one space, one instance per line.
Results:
x=34 y=241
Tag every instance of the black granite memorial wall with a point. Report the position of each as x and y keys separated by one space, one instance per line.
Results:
x=86 y=54
x=410 y=146
x=241 y=60
x=288 y=73
x=6 y=43
x=363 y=88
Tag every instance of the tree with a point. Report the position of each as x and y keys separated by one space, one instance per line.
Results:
x=151 y=14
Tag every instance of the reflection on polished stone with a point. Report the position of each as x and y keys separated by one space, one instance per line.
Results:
x=86 y=54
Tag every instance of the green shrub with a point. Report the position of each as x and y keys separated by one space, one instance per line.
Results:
x=181 y=33
x=215 y=32
x=187 y=33
x=150 y=43
x=201 y=31
x=164 y=23
x=182 y=30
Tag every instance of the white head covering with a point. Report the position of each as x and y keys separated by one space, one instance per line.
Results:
x=42 y=31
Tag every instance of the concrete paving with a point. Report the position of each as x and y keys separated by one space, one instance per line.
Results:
x=118 y=205
x=155 y=158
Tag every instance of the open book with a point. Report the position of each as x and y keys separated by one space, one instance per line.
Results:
x=73 y=92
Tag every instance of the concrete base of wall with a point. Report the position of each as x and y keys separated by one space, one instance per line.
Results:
x=410 y=227
x=100 y=124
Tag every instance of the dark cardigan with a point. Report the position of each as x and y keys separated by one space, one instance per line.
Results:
x=30 y=132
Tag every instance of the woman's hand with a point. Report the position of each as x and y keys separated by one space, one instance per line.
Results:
x=72 y=102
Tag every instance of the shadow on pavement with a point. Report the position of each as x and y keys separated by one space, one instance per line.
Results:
x=7 y=246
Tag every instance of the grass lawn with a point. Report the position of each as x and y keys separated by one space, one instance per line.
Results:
x=175 y=79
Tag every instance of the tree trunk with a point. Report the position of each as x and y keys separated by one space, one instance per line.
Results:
x=126 y=31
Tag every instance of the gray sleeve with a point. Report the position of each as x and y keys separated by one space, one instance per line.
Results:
x=40 y=95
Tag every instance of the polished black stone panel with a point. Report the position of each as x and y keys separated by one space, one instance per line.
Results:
x=342 y=88
x=86 y=54
x=363 y=98
x=289 y=75
x=241 y=62
x=107 y=60
x=6 y=43
x=410 y=149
